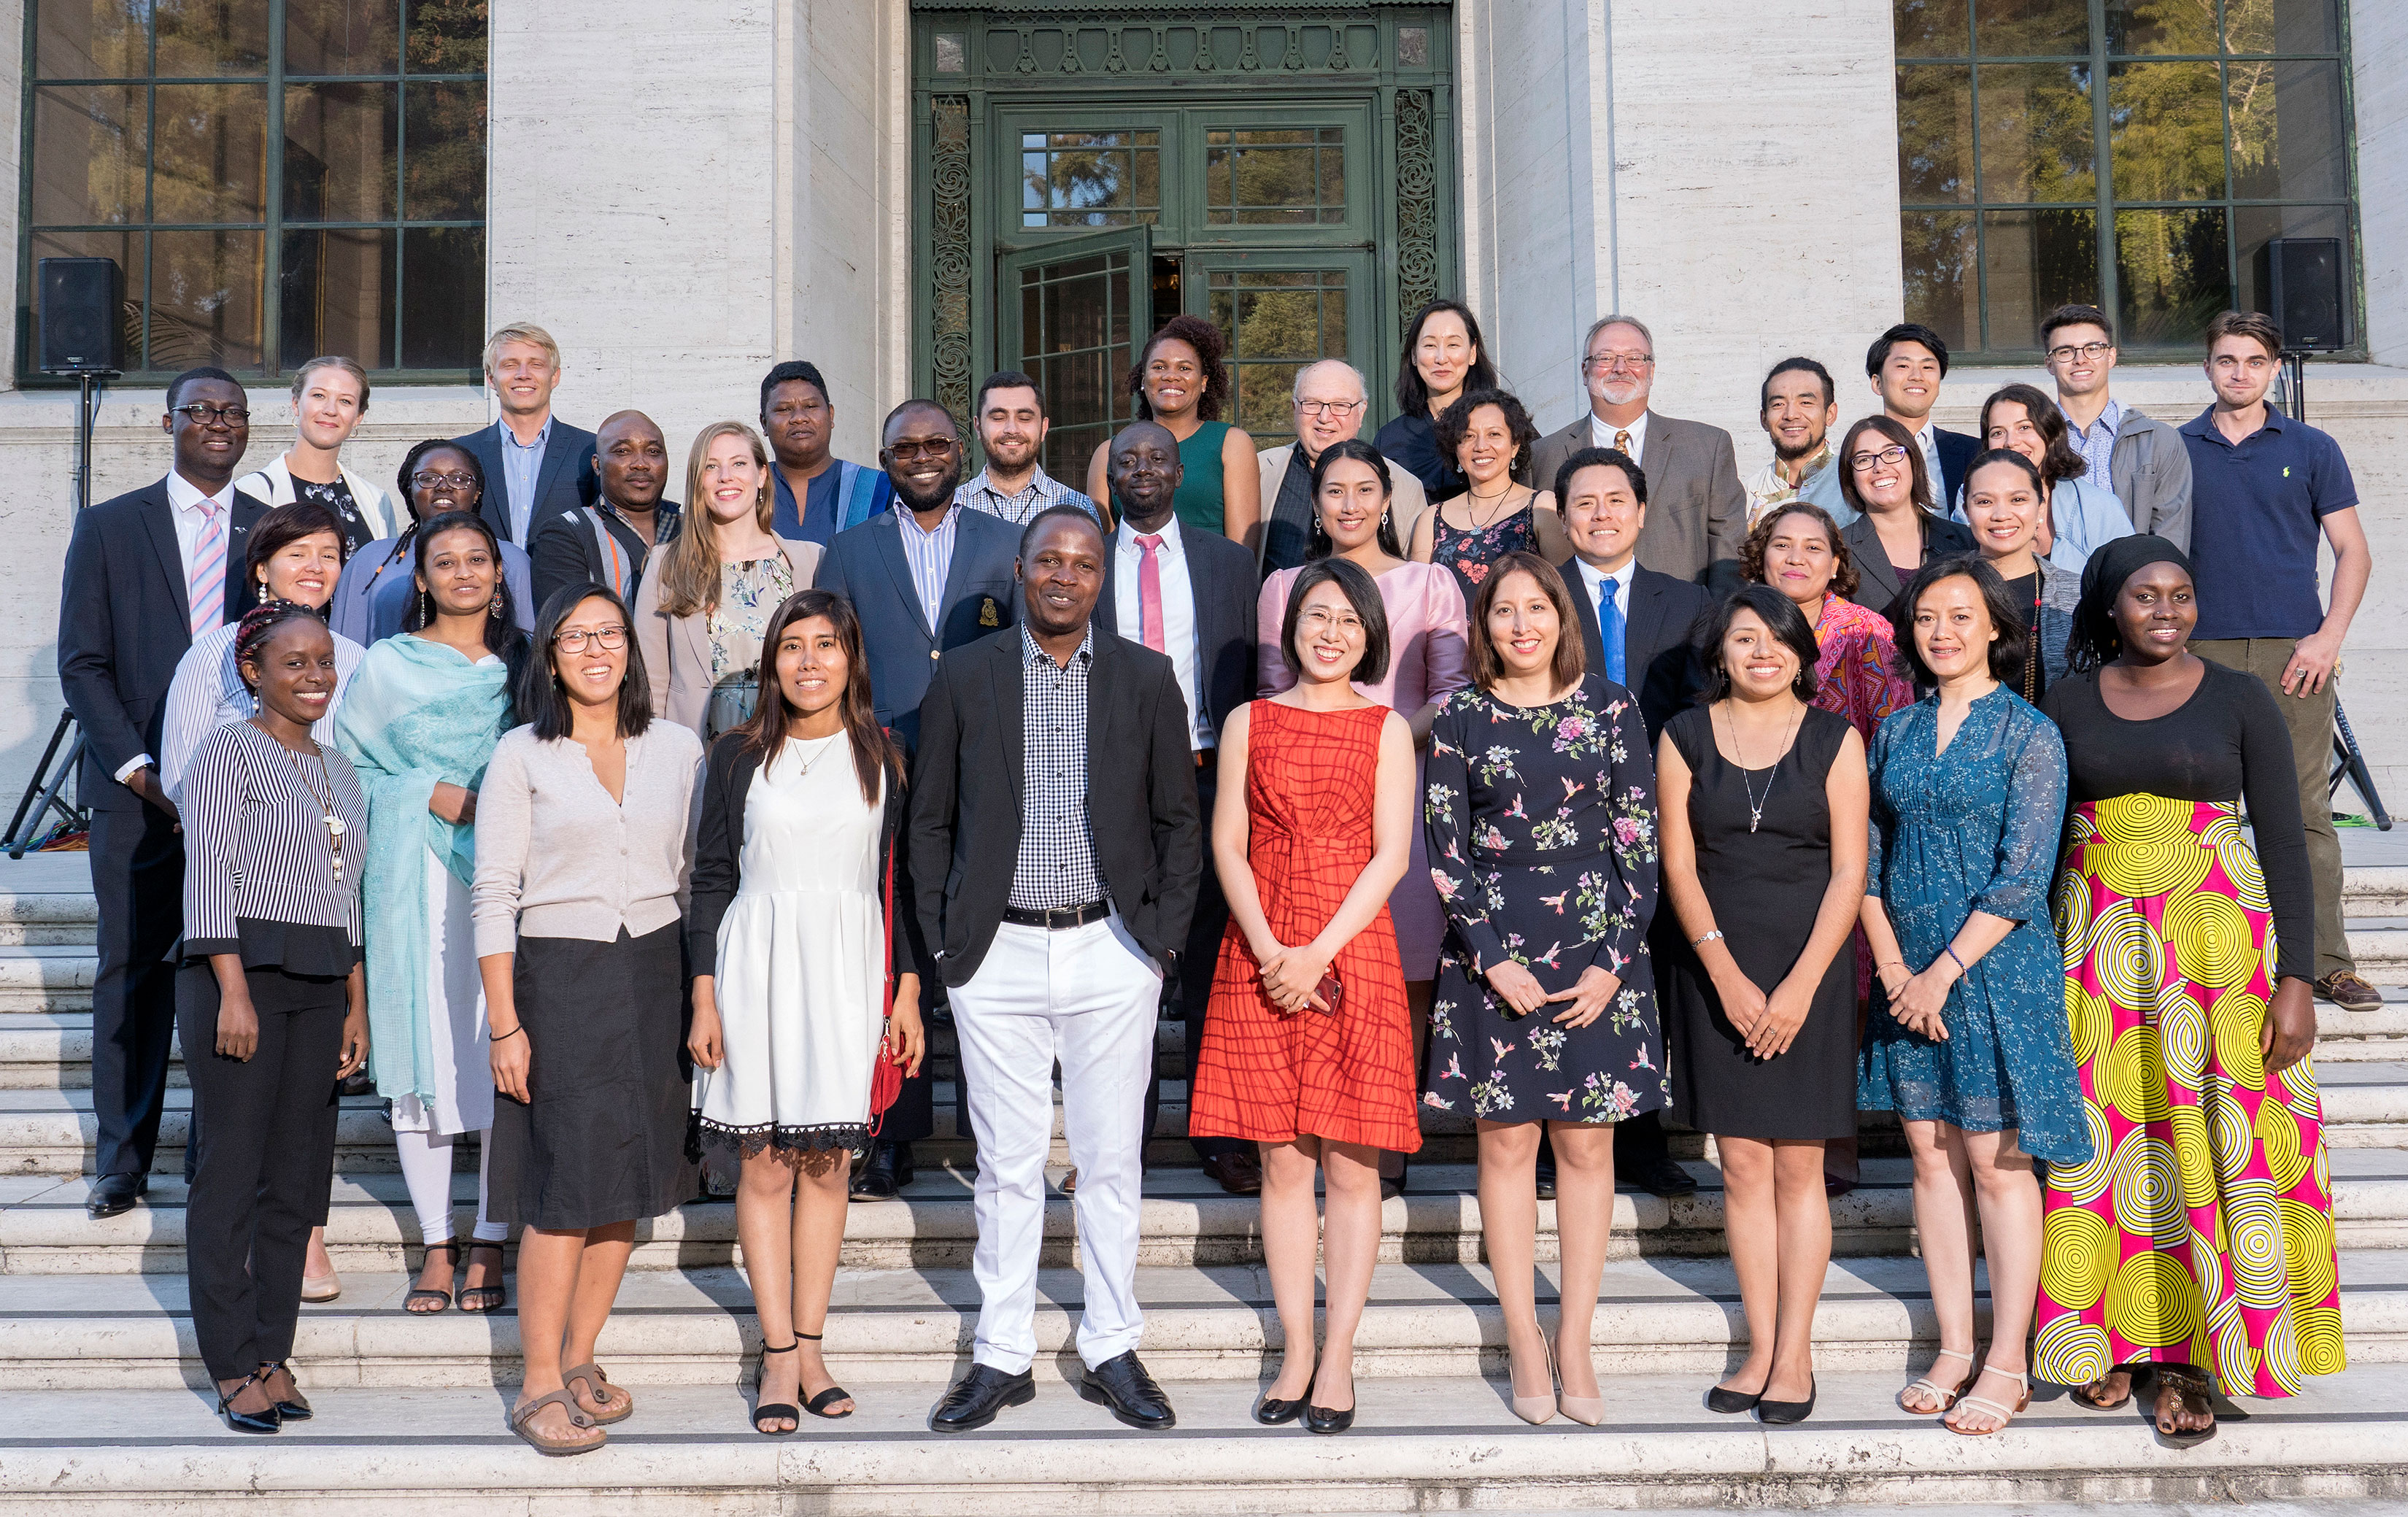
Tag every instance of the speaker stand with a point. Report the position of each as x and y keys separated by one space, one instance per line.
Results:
x=2295 y=381
x=45 y=792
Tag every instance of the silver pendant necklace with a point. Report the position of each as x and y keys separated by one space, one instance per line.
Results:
x=1755 y=805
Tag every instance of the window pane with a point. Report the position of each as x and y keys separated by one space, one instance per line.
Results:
x=1278 y=320
x=88 y=150
x=205 y=300
x=2289 y=135
x=2257 y=224
x=337 y=296
x=1941 y=291
x=2161 y=27
x=2036 y=133
x=442 y=296
x=343 y=36
x=210 y=163
x=1074 y=339
x=202 y=37
x=2165 y=131
x=2033 y=262
x=1935 y=133
x=2280 y=26
x=341 y=141
x=2171 y=266
x=127 y=247
x=445 y=163
x=446 y=37
x=1090 y=179
x=1275 y=177
x=91 y=40
x=2031 y=28
x=1931 y=29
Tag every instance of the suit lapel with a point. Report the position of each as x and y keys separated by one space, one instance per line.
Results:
x=557 y=450
x=1010 y=714
x=889 y=539
x=1585 y=604
x=1099 y=680
x=159 y=518
x=1644 y=625
x=957 y=569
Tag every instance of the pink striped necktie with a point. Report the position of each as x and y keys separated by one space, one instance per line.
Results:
x=207 y=586
x=1149 y=592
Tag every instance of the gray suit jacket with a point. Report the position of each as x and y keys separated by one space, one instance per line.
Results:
x=1697 y=510
x=677 y=648
x=2150 y=470
x=1407 y=499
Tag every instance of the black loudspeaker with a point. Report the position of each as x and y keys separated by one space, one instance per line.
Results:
x=82 y=331
x=2300 y=285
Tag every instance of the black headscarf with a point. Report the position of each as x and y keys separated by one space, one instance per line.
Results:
x=2095 y=639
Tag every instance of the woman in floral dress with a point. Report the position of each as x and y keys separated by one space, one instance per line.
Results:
x=1541 y=816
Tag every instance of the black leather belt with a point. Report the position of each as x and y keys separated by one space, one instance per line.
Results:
x=1056 y=918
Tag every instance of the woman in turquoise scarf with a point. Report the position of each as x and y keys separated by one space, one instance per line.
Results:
x=419 y=721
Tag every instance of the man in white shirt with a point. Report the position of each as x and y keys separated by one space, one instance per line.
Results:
x=1905 y=365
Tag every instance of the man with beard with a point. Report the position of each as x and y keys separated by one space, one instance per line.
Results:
x=1011 y=427
x=818 y=495
x=605 y=543
x=1053 y=890
x=925 y=576
x=1796 y=406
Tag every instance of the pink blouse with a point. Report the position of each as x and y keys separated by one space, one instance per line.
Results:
x=1856 y=678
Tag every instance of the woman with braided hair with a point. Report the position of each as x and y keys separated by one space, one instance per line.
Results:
x=376 y=594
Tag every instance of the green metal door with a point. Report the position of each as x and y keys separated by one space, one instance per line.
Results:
x=1074 y=314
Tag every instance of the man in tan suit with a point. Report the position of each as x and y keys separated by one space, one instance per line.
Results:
x=1329 y=399
x=1697 y=512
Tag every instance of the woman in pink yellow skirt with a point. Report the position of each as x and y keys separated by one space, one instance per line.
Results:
x=2198 y=1242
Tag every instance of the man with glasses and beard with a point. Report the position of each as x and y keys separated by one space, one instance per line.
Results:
x=1011 y=427
x=925 y=576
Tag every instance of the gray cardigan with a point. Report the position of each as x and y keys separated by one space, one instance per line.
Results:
x=2150 y=470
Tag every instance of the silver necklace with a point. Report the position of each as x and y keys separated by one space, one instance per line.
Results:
x=1755 y=805
x=828 y=746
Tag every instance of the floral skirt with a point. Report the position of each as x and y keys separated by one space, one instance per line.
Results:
x=2202 y=1230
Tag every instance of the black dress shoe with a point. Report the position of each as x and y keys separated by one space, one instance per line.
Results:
x=884 y=1174
x=1123 y=1385
x=1730 y=1403
x=1274 y=1414
x=1240 y=1174
x=977 y=1397
x=1545 y=1176
x=293 y=1408
x=1323 y=1419
x=1664 y=1177
x=114 y=1193
x=1783 y=1413
x=247 y=1422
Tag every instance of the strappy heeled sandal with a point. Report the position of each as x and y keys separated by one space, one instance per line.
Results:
x=2004 y=1414
x=2191 y=1388
x=818 y=1405
x=492 y=1294
x=247 y=1422
x=765 y=1412
x=556 y=1448
x=1945 y=1395
x=442 y=1299
x=598 y=1387
x=291 y=1408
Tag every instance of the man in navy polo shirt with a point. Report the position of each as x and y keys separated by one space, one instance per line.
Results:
x=2262 y=487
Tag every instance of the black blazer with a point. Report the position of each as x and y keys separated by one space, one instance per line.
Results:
x=719 y=855
x=968 y=781
x=1655 y=640
x=561 y=549
x=865 y=564
x=1221 y=575
x=567 y=481
x=1957 y=449
x=126 y=620
x=1877 y=582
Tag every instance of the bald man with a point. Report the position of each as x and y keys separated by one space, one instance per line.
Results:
x=607 y=543
x=1328 y=405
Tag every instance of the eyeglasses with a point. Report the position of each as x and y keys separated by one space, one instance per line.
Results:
x=213 y=416
x=428 y=481
x=1892 y=454
x=903 y=452
x=574 y=640
x=2093 y=350
x=1609 y=363
x=1328 y=408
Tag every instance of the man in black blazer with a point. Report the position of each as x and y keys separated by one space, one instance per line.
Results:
x=1906 y=365
x=605 y=543
x=536 y=465
x=145 y=573
x=1201 y=613
x=1056 y=851
x=1603 y=495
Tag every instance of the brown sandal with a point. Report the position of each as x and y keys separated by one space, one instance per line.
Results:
x=2084 y=1393
x=599 y=1386
x=2190 y=1388
x=1947 y=1396
x=558 y=1449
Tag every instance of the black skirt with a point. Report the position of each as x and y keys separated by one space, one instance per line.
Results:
x=602 y=1138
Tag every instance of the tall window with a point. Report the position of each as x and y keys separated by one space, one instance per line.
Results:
x=2135 y=154
x=277 y=178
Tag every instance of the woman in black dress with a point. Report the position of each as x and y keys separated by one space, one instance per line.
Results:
x=1541 y=818
x=1764 y=804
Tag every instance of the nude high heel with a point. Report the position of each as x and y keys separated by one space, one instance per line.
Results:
x=1534 y=1408
x=1587 y=1410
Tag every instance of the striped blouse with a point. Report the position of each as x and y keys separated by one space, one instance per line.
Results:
x=208 y=693
x=259 y=871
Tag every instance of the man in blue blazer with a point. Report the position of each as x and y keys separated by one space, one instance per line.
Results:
x=537 y=466
x=925 y=577
x=145 y=573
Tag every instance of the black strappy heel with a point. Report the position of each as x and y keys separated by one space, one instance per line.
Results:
x=291 y=1408
x=247 y=1422
x=817 y=1406
x=774 y=1409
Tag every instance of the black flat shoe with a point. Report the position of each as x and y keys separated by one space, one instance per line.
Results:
x=1122 y=1384
x=884 y=1173
x=113 y=1194
x=293 y=1408
x=1730 y=1403
x=247 y=1422
x=1323 y=1419
x=977 y=1397
x=1784 y=1413
x=1271 y=1413
x=1663 y=1178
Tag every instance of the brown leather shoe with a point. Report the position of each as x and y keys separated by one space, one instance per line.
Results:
x=1240 y=1173
x=2345 y=989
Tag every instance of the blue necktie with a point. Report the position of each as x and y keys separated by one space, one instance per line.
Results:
x=1609 y=626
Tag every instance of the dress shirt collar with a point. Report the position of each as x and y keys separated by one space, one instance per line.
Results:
x=2110 y=421
x=1040 y=484
x=1031 y=655
x=542 y=436
x=187 y=496
x=1168 y=532
x=1603 y=432
x=909 y=520
x=1594 y=578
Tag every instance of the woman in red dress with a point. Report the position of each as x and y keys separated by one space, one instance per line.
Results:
x=1308 y=1046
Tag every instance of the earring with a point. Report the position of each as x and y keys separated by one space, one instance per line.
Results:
x=426 y=609
x=493 y=606
x=254 y=702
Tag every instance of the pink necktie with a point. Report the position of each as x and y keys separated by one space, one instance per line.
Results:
x=1149 y=593
x=206 y=589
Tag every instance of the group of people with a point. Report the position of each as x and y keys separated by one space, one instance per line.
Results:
x=1558 y=782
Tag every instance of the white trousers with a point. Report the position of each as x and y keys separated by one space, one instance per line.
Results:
x=1086 y=996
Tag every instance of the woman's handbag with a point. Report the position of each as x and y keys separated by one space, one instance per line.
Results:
x=886 y=1075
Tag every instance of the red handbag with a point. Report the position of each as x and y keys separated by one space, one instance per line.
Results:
x=886 y=1075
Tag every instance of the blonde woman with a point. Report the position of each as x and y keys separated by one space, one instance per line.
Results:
x=707 y=594
x=330 y=396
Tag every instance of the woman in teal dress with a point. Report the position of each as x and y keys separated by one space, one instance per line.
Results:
x=1182 y=380
x=1967 y=1041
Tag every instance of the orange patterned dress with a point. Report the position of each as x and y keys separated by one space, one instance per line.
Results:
x=1347 y=1077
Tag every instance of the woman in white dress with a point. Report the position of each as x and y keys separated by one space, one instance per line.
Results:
x=796 y=870
x=419 y=723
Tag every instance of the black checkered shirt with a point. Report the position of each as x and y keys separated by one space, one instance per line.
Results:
x=1057 y=852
